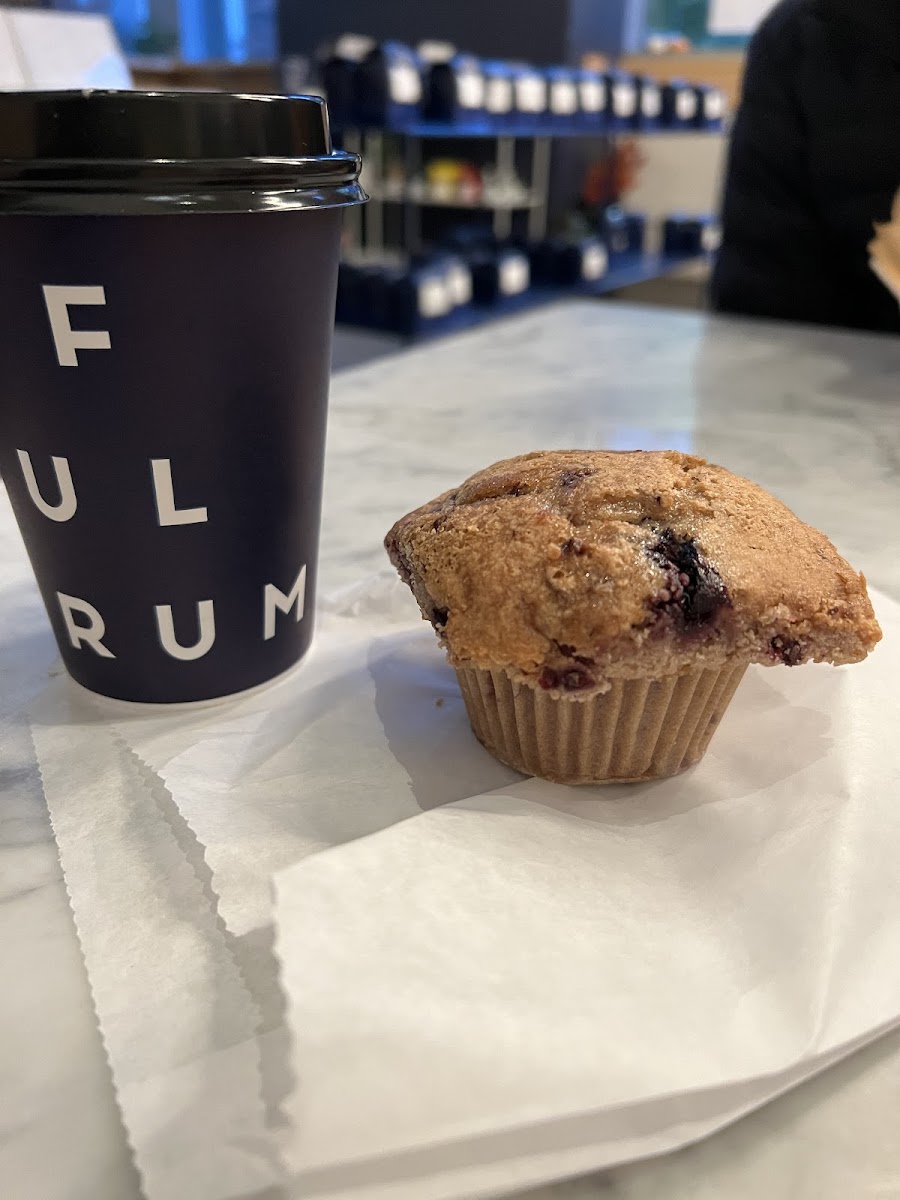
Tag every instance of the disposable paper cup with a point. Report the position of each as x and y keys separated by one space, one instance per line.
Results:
x=166 y=315
x=640 y=729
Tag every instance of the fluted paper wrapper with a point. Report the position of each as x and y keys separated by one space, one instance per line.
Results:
x=639 y=729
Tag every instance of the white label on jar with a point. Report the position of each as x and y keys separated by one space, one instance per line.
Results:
x=651 y=101
x=624 y=99
x=593 y=95
x=563 y=97
x=434 y=298
x=353 y=47
x=498 y=98
x=435 y=52
x=459 y=284
x=594 y=262
x=531 y=94
x=711 y=238
x=405 y=84
x=685 y=105
x=714 y=106
x=514 y=275
x=470 y=89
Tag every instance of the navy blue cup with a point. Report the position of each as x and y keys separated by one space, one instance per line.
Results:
x=166 y=306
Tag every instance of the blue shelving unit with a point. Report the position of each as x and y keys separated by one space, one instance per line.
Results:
x=626 y=270
x=396 y=127
x=629 y=270
x=527 y=130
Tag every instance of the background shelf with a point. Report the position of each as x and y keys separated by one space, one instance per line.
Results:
x=469 y=205
x=626 y=270
x=523 y=129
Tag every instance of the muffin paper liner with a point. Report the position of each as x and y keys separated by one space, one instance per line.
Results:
x=639 y=729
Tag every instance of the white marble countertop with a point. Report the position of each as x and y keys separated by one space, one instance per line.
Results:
x=812 y=415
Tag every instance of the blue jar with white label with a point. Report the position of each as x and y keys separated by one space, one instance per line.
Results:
x=338 y=64
x=648 y=109
x=636 y=225
x=562 y=98
x=691 y=234
x=530 y=97
x=455 y=91
x=420 y=298
x=621 y=100
x=591 y=100
x=679 y=105
x=499 y=94
x=498 y=275
x=711 y=108
x=565 y=262
x=388 y=87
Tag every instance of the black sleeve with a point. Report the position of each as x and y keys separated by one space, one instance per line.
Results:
x=774 y=256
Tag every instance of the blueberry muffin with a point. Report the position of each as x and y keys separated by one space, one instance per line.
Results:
x=600 y=608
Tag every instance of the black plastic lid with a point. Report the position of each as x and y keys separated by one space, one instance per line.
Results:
x=150 y=151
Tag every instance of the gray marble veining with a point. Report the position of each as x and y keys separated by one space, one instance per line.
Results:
x=813 y=415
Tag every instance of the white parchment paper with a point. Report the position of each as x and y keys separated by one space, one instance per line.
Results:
x=519 y=982
x=543 y=981
x=371 y=730
x=177 y=1021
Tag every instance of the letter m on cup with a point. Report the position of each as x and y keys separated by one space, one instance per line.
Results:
x=274 y=599
x=66 y=339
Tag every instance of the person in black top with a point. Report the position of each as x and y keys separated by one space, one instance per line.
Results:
x=814 y=162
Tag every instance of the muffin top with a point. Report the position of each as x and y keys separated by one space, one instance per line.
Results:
x=571 y=568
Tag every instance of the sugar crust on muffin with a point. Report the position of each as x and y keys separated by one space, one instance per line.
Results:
x=570 y=569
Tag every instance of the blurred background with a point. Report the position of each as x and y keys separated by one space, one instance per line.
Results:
x=258 y=31
x=515 y=151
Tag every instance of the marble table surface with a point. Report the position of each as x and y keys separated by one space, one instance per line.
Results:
x=812 y=415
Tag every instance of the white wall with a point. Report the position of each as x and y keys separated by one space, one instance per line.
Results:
x=683 y=173
x=41 y=50
x=731 y=17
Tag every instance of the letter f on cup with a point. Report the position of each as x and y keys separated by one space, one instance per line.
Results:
x=66 y=339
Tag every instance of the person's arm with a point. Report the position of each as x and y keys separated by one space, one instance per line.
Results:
x=774 y=260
